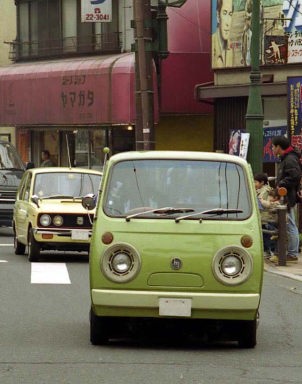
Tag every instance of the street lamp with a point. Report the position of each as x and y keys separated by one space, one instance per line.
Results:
x=254 y=114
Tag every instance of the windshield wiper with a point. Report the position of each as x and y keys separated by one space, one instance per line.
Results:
x=165 y=211
x=214 y=211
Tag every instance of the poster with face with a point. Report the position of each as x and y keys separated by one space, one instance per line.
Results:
x=280 y=32
x=234 y=142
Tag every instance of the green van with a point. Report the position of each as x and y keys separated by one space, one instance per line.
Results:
x=176 y=238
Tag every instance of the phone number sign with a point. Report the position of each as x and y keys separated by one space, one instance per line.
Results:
x=93 y=11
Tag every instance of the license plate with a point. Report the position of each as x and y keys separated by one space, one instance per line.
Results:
x=175 y=307
x=77 y=234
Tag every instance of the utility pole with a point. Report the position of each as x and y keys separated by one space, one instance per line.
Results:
x=254 y=114
x=144 y=127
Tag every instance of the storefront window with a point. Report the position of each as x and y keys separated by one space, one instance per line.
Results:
x=89 y=149
x=52 y=28
x=80 y=147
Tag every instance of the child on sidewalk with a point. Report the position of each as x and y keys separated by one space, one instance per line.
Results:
x=268 y=200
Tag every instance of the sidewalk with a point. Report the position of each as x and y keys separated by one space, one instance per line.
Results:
x=292 y=271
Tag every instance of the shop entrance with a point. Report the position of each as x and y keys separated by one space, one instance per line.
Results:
x=79 y=147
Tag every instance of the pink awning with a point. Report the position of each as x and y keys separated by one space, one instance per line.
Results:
x=86 y=91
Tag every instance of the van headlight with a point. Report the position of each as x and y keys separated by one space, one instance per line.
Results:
x=232 y=265
x=120 y=263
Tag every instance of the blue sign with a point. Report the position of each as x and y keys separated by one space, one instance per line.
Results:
x=268 y=134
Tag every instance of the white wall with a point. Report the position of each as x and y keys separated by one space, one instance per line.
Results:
x=7 y=29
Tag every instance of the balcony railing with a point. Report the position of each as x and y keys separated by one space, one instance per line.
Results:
x=69 y=46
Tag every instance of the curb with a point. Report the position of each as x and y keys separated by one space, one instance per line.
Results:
x=291 y=274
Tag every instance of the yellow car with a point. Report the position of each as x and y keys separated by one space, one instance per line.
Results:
x=48 y=214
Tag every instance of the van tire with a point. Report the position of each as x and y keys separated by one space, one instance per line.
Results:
x=19 y=247
x=98 y=329
x=247 y=334
x=33 y=247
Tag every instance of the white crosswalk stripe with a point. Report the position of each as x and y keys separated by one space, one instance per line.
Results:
x=49 y=273
x=45 y=273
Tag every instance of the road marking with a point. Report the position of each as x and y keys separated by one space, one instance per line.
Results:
x=49 y=273
x=5 y=245
x=3 y=261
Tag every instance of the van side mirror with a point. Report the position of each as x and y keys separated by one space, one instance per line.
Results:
x=89 y=201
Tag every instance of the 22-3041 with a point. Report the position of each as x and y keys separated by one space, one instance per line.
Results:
x=97 y=17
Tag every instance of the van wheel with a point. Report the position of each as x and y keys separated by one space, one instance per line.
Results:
x=19 y=247
x=247 y=334
x=98 y=329
x=33 y=247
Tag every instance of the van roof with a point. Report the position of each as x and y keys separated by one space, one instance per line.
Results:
x=177 y=155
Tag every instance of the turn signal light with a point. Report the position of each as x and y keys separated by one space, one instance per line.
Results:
x=246 y=241
x=107 y=238
x=47 y=236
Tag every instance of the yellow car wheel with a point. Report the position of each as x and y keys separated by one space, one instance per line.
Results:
x=33 y=247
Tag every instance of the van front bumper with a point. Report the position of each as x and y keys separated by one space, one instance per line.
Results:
x=204 y=305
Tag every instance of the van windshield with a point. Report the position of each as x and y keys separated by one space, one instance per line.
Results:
x=173 y=188
x=9 y=159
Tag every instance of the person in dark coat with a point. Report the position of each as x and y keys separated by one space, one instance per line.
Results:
x=46 y=161
x=288 y=176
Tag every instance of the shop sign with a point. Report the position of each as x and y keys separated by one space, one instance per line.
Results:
x=94 y=11
x=268 y=134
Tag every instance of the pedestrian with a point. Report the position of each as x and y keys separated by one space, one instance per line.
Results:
x=288 y=176
x=268 y=201
x=46 y=161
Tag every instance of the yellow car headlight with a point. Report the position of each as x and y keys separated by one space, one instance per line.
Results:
x=45 y=220
x=58 y=221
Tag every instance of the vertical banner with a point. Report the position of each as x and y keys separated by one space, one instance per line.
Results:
x=244 y=145
x=234 y=142
x=294 y=95
x=238 y=143
x=93 y=11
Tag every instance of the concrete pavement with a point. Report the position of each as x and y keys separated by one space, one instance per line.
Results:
x=291 y=270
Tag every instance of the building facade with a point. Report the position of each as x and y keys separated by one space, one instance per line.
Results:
x=7 y=33
x=280 y=62
x=71 y=86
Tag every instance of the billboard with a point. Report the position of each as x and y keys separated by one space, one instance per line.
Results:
x=280 y=32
